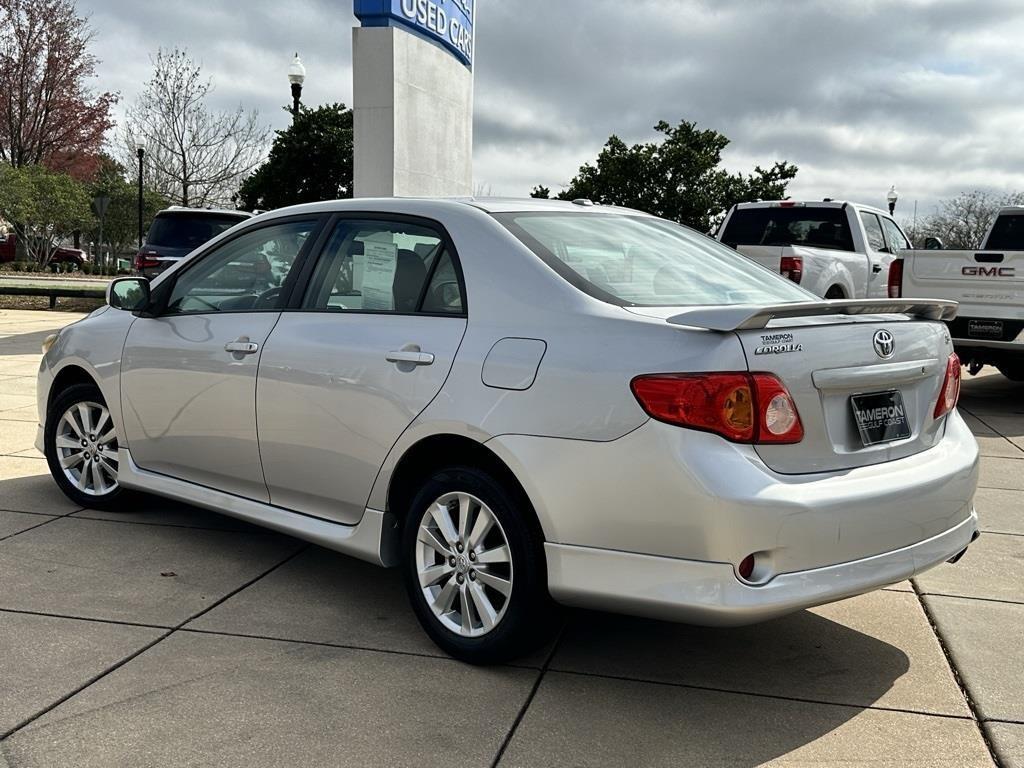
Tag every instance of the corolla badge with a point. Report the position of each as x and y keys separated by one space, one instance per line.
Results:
x=885 y=344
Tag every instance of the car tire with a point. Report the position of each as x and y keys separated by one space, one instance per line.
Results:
x=835 y=292
x=463 y=570
x=81 y=448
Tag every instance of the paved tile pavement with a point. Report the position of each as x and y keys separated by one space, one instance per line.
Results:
x=169 y=635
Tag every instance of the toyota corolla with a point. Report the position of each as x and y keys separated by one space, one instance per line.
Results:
x=522 y=403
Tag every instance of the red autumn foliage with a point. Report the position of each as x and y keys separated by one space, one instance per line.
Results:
x=48 y=113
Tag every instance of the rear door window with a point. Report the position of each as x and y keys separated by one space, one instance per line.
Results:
x=816 y=227
x=384 y=266
x=896 y=239
x=873 y=231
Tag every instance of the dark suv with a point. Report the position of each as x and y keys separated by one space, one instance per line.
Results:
x=176 y=232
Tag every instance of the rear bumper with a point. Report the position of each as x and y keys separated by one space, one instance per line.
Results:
x=656 y=522
x=1012 y=340
x=710 y=594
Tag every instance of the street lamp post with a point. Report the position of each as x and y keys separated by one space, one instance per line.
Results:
x=891 y=198
x=296 y=76
x=140 y=150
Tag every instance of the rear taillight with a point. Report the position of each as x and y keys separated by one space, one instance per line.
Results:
x=896 y=279
x=741 y=407
x=950 y=391
x=146 y=260
x=792 y=267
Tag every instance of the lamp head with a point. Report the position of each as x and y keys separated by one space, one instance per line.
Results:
x=296 y=72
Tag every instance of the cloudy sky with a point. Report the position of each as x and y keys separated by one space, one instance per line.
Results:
x=924 y=94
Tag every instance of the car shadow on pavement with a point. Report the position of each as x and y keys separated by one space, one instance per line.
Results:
x=992 y=393
x=24 y=343
x=741 y=695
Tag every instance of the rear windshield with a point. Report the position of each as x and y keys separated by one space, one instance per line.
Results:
x=800 y=225
x=188 y=230
x=1007 y=234
x=643 y=261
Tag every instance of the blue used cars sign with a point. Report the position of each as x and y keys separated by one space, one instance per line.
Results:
x=449 y=23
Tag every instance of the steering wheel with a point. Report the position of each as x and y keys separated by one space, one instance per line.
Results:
x=265 y=300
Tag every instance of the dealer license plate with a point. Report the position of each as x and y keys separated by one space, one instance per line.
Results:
x=880 y=417
x=985 y=329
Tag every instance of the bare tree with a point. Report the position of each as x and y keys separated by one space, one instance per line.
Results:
x=48 y=115
x=962 y=221
x=194 y=156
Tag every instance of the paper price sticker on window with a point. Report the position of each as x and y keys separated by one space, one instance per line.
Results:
x=379 y=275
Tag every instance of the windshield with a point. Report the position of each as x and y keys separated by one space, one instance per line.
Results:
x=1007 y=234
x=800 y=225
x=188 y=231
x=643 y=261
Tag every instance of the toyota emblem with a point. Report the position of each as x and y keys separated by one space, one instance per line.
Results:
x=885 y=344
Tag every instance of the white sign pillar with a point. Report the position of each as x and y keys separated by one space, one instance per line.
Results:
x=413 y=98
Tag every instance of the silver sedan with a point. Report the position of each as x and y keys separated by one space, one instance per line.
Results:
x=523 y=403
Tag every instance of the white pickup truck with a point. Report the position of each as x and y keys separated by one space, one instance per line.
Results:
x=988 y=283
x=833 y=249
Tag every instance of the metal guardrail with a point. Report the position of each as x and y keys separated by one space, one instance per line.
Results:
x=53 y=289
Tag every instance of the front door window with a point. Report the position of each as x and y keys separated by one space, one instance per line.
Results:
x=245 y=274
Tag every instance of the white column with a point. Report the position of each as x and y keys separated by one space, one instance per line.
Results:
x=413 y=116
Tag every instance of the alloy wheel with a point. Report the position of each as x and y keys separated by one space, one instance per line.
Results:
x=86 y=445
x=463 y=564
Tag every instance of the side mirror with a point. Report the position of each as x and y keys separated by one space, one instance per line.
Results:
x=128 y=293
x=933 y=244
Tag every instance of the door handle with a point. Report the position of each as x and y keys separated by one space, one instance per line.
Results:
x=876 y=268
x=409 y=356
x=241 y=347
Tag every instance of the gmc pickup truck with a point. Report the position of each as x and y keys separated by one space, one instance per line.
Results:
x=988 y=283
x=833 y=249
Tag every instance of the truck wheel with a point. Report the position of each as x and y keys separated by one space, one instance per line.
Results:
x=835 y=292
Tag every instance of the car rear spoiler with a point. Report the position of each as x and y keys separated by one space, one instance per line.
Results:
x=750 y=316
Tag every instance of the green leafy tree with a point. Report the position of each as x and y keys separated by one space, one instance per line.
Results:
x=311 y=160
x=43 y=206
x=678 y=177
x=541 y=192
x=121 y=223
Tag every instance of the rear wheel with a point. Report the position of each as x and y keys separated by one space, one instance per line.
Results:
x=81 y=447
x=474 y=568
x=835 y=292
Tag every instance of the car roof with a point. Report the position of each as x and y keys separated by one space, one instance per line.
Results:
x=179 y=210
x=438 y=205
x=810 y=204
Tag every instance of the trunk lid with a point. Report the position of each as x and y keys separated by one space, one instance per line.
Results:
x=826 y=357
x=831 y=362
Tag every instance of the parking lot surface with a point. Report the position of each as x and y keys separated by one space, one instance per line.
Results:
x=172 y=636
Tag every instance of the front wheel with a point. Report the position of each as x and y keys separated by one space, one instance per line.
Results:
x=81 y=447
x=474 y=568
